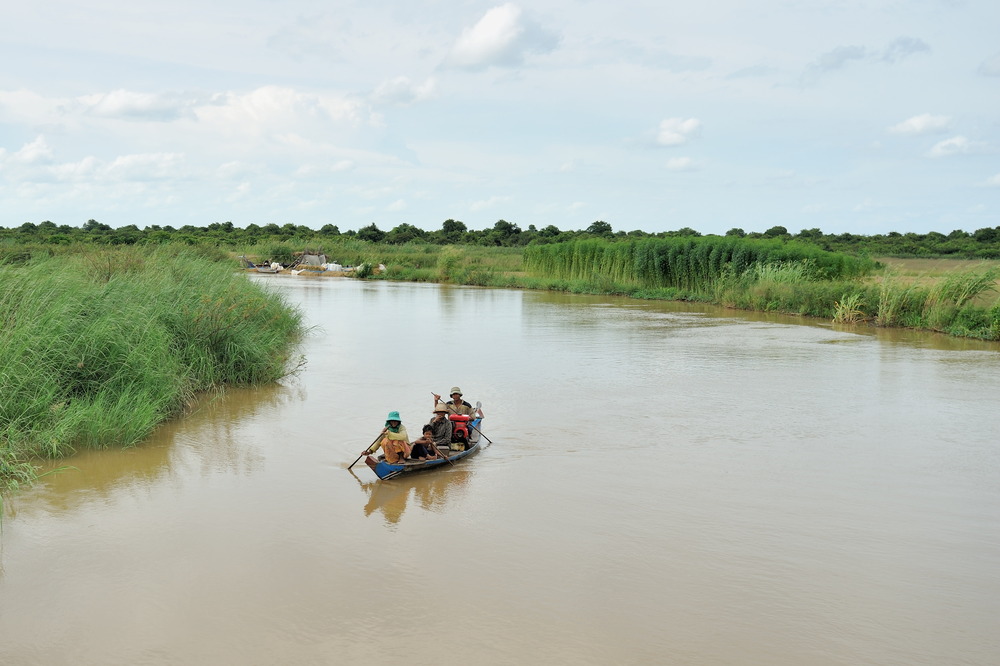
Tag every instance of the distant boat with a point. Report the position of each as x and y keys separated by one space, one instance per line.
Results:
x=262 y=268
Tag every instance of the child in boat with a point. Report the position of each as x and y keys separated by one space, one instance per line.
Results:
x=423 y=448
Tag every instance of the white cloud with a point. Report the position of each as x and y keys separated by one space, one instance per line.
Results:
x=675 y=131
x=925 y=123
x=994 y=181
x=139 y=167
x=25 y=106
x=501 y=38
x=396 y=206
x=838 y=58
x=957 y=145
x=400 y=91
x=904 y=47
x=487 y=203
x=35 y=152
x=131 y=105
x=681 y=164
x=312 y=36
x=990 y=66
x=273 y=108
x=864 y=206
x=835 y=59
x=148 y=166
x=324 y=169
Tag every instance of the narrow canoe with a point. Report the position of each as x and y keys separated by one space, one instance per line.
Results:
x=386 y=470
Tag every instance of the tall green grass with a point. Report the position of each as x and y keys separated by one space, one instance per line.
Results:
x=684 y=263
x=100 y=346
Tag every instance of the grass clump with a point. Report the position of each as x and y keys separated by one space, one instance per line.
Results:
x=97 y=348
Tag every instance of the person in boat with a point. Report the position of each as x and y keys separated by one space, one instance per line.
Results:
x=441 y=426
x=394 y=441
x=458 y=406
x=423 y=448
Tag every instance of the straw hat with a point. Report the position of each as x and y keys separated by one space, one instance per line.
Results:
x=440 y=407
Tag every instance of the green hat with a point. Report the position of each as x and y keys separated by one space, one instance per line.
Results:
x=454 y=390
x=393 y=416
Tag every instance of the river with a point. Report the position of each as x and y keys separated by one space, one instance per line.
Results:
x=667 y=483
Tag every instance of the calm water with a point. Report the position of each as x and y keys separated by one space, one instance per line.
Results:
x=666 y=484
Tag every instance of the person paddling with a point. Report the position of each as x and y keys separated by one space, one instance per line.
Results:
x=458 y=406
x=394 y=441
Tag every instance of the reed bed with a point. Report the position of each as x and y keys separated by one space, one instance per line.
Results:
x=685 y=263
x=99 y=347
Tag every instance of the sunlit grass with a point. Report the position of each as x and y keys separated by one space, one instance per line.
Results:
x=96 y=352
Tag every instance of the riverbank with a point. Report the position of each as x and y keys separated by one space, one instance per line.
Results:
x=102 y=345
x=949 y=296
x=953 y=297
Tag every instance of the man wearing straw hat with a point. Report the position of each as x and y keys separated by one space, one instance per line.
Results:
x=458 y=406
x=441 y=426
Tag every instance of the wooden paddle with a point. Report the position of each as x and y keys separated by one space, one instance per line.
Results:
x=438 y=451
x=366 y=450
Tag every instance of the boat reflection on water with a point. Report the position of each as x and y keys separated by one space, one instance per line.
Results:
x=432 y=492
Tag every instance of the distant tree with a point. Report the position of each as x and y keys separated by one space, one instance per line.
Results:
x=737 y=232
x=810 y=234
x=403 y=234
x=94 y=225
x=329 y=230
x=503 y=233
x=984 y=235
x=776 y=232
x=600 y=228
x=451 y=233
x=371 y=233
x=958 y=233
x=686 y=231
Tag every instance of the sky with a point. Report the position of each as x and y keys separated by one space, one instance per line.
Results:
x=859 y=116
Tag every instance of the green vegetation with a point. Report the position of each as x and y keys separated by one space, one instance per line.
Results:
x=104 y=332
x=99 y=346
x=979 y=244
x=685 y=263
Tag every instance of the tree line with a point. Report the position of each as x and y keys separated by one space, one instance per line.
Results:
x=982 y=243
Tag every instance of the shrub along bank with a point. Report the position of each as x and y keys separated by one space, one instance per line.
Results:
x=767 y=276
x=100 y=346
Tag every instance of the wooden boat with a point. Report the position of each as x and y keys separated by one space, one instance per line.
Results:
x=386 y=470
x=261 y=268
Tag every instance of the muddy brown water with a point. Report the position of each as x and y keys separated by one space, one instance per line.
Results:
x=667 y=484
